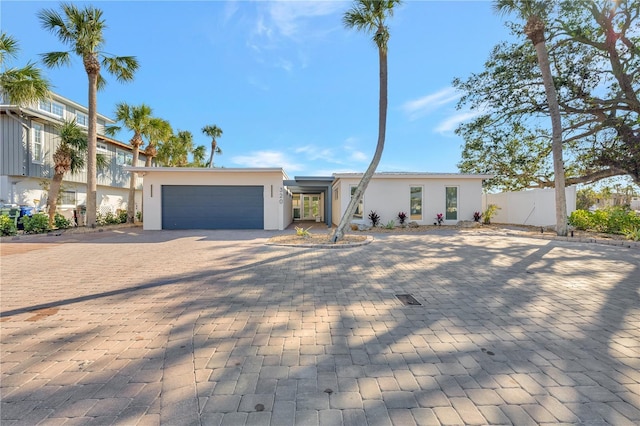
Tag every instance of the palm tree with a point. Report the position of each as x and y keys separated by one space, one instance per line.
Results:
x=82 y=30
x=534 y=12
x=213 y=132
x=138 y=120
x=68 y=157
x=19 y=86
x=198 y=153
x=160 y=131
x=370 y=16
x=175 y=151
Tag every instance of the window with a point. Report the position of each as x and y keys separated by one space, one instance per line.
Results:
x=82 y=119
x=451 y=203
x=359 y=213
x=37 y=143
x=124 y=158
x=68 y=198
x=52 y=108
x=415 y=211
x=102 y=147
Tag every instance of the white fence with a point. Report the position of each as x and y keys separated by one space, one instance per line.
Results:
x=535 y=207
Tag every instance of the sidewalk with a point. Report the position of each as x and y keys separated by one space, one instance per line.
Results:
x=134 y=327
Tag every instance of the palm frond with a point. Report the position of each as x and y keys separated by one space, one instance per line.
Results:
x=102 y=83
x=122 y=67
x=102 y=162
x=370 y=16
x=112 y=130
x=23 y=86
x=8 y=47
x=55 y=59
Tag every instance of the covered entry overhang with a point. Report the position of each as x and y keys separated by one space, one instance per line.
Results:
x=310 y=185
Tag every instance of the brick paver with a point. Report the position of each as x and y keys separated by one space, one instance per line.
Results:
x=216 y=327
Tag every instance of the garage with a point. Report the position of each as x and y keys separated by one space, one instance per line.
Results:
x=212 y=207
x=214 y=198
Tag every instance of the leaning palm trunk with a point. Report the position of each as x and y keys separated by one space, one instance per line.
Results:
x=338 y=234
x=536 y=35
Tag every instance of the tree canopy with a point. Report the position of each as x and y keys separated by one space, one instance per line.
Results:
x=594 y=52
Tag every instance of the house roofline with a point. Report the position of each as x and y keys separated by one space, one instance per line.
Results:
x=206 y=170
x=412 y=175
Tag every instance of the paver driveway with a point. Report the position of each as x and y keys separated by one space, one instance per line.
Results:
x=217 y=327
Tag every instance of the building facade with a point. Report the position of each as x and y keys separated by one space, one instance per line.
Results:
x=28 y=140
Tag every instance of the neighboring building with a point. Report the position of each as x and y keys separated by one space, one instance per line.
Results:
x=181 y=198
x=28 y=141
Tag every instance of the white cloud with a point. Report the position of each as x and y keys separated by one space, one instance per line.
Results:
x=312 y=153
x=280 y=22
x=289 y=17
x=422 y=106
x=452 y=122
x=266 y=159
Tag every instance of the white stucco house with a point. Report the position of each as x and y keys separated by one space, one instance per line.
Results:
x=265 y=198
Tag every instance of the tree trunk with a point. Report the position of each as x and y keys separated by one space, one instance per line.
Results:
x=131 y=204
x=52 y=199
x=338 y=234
x=92 y=136
x=556 y=136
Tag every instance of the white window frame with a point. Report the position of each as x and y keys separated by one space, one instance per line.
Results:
x=68 y=195
x=123 y=154
x=446 y=208
x=37 y=143
x=51 y=107
x=360 y=203
x=412 y=215
x=84 y=122
x=102 y=148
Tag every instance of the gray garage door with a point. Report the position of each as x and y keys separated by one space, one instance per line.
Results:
x=212 y=207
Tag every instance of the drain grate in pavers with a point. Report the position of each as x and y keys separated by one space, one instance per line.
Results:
x=408 y=299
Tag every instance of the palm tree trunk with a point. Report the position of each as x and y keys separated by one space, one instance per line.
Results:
x=52 y=199
x=92 y=136
x=131 y=204
x=338 y=234
x=556 y=138
x=210 y=163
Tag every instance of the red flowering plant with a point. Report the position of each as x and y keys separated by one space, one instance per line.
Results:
x=440 y=218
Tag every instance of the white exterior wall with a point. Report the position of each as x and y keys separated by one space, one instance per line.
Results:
x=29 y=192
x=536 y=207
x=389 y=195
x=275 y=195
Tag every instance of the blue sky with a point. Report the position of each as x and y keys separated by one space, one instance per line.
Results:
x=287 y=83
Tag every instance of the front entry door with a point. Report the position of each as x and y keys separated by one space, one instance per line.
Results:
x=310 y=207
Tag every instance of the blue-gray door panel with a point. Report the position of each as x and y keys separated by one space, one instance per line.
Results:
x=212 y=207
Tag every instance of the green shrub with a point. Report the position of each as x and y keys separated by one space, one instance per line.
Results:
x=7 y=226
x=109 y=218
x=391 y=224
x=36 y=224
x=122 y=216
x=615 y=220
x=490 y=212
x=61 y=222
x=581 y=219
x=301 y=232
x=632 y=234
